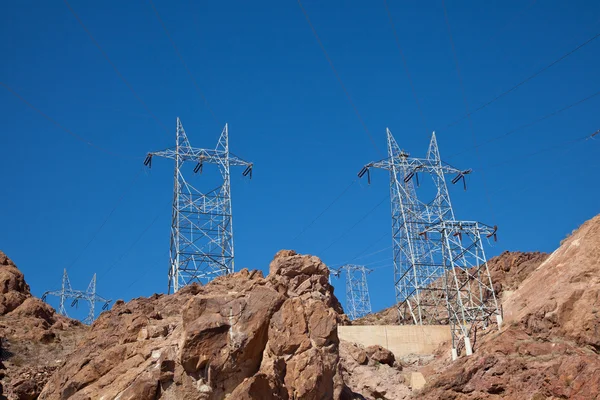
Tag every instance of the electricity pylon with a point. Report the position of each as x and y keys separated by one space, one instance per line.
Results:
x=358 y=302
x=422 y=253
x=470 y=297
x=201 y=224
x=89 y=295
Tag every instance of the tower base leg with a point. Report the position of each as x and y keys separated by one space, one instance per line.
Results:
x=468 y=348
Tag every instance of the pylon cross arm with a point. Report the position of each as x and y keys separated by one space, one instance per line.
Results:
x=415 y=165
x=201 y=155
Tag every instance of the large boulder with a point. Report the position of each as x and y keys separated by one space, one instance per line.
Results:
x=242 y=336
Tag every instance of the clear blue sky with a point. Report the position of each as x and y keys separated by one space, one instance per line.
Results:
x=262 y=71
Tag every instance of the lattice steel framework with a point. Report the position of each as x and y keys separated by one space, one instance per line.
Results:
x=418 y=264
x=201 y=224
x=358 y=302
x=89 y=295
x=420 y=255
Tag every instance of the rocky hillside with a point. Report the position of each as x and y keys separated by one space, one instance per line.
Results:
x=549 y=346
x=508 y=270
x=246 y=336
x=34 y=340
x=243 y=336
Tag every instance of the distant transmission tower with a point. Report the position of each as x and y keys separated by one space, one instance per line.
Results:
x=66 y=292
x=358 y=302
x=421 y=258
x=201 y=223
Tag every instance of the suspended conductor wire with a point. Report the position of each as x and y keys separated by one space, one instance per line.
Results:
x=405 y=64
x=339 y=79
x=326 y=209
x=518 y=85
x=561 y=145
x=355 y=225
x=119 y=200
x=464 y=96
x=57 y=124
x=529 y=124
x=133 y=244
x=119 y=74
x=361 y=256
x=200 y=93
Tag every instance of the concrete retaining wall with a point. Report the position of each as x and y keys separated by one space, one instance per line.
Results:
x=401 y=340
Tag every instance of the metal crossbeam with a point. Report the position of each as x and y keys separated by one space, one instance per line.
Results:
x=201 y=223
x=89 y=295
x=423 y=251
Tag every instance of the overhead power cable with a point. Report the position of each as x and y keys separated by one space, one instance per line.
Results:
x=326 y=209
x=405 y=64
x=355 y=225
x=530 y=77
x=200 y=93
x=464 y=96
x=114 y=208
x=561 y=145
x=133 y=244
x=529 y=124
x=119 y=74
x=339 y=79
x=57 y=124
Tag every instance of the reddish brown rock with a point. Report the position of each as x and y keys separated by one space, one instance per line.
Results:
x=35 y=340
x=549 y=345
x=380 y=355
x=241 y=335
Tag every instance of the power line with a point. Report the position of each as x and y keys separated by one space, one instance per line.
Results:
x=135 y=242
x=339 y=79
x=360 y=255
x=535 y=74
x=121 y=197
x=56 y=123
x=527 y=125
x=183 y=62
x=510 y=22
x=326 y=209
x=89 y=33
x=564 y=144
x=404 y=62
x=464 y=96
x=355 y=225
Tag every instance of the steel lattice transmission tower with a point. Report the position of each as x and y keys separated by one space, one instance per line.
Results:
x=89 y=295
x=421 y=253
x=201 y=223
x=358 y=302
x=470 y=297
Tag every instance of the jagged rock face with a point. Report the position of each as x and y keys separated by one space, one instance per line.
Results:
x=13 y=289
x=511 y=268
x=507 y=270
x=34 y=338
x=562 y=296
x=242 y=336
x=549 y=345
x=368 y=376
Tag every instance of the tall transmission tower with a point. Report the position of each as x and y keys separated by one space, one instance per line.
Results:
x=358 y=302
x=421 y=250
x=201 y=224
x=89 y=295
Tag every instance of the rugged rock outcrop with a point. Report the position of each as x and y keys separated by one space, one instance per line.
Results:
x=242 y=336
x=368 y=376
x=507 y=270
x=34 y=339
x=549 y=346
